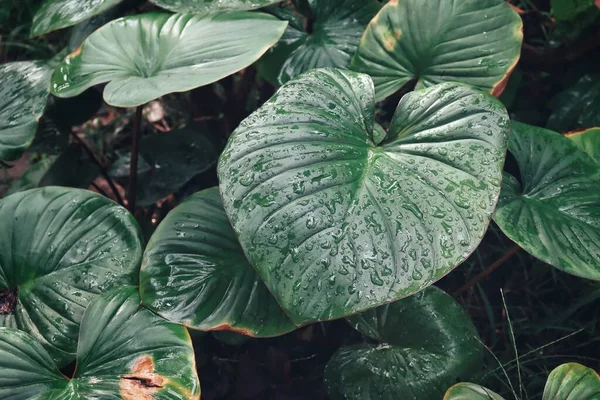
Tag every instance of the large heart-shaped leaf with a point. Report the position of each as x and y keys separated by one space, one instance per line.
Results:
x=473 y=41
x=143 y=57
x=335 y=224
x=587 y=140
x=124 y=352
x=572 y=381
x=60 y=248
x=211 y=6
x=471 y=391
x=427 y=342
x=57 y=14
x=335 y=29
x=195 y=273
x=553 y=211
x=577 y=107
x=23 y=96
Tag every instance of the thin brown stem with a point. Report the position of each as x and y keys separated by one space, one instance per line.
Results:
x=488 y=270
x=133 y=166
x=103 y=170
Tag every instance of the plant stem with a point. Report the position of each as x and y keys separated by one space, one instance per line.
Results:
x=103 y=170
x=133 y=166
x=488 y=270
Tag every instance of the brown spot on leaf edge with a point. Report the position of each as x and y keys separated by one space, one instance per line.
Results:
x=142 y=382
x=8 y=301
x=229 y=328
x=500 y=86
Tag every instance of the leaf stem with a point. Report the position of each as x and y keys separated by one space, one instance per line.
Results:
x=103 y=170
x=488 y=270
x=133 y=166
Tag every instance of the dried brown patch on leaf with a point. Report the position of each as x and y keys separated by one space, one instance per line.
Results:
x=229 y=328
x=8 y=301
x=142 y=382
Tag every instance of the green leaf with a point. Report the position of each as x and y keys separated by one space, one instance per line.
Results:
x=124 y=352
x=427 y=342
x=470 y=391
x=59 y=249
x=211 y=6
x=146 y=56
x=336 y=25
x=32 y=177
x=72 y=168
x=475 y=42
x=572 y=381
x=565 y=10
x=335 y=224
x=57 y=14
x=554 y=211
x=195 y=273
x=169 y=161
x=577 y=107
x=23 y=96
x=587 y=140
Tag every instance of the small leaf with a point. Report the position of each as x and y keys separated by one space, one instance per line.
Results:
x=59 y=249
x=587 y=140
x=472 y=41
x=195 y=273
x=146 y=56
x=471 y=391
x=554 y=211
x=427 y=342
x=572 y=381
x=57 y=14
x=211 y=6
x=336 y=27
x=335 y=224
x=577 y=107
x=125 y=352
x=23 y=96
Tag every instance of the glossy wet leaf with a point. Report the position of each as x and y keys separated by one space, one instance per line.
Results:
x=23 y=95
x=60 y=248
x=472 y=41
x=587 y=140
x=146 y=56
x=169 y=160
x=335 y=224
x=57 y=14
x=211 y=6
x=195 y=273
x=125 y=352
x=554 y=211
x=470 y=391
x=32 y=177
x=336 y=32
x=426 y=343
x=572 y=381
x=577 y=107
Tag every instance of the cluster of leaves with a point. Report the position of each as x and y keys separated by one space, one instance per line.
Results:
x=372 y=172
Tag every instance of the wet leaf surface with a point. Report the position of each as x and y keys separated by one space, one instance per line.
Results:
x=143 y=57
x=587 y=140
x=60 y=248
x=336 y=225
x=125 y=352
x=195 y=273
x=472 y=41
x=572 y=381
x=210 y=6
x=553 y=209
x=426 y=343
x=470 y=391
x=576 y=107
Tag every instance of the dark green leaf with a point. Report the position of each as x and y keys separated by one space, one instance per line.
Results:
x=57 y=14
x=564 y=10
x=211 y=6
x=32 y=177
x=124 y=352
x=577 y=107
x=427 y=343
x=336 y=25
x=23 y=96
x=335 y=224
x=60 y=248
x=471 y=391
x=195 y=273
x=554 y=211
x=146 y=56
x=472 y=41
x=587 y=140
x=72 y=168
x=572 y=381
x=50 y=138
